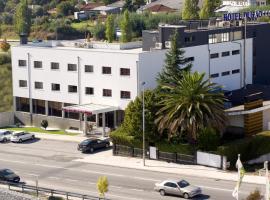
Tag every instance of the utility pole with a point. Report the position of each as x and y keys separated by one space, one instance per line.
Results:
x=245 y=41
x=143 y=116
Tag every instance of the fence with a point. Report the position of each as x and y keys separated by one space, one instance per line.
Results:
x=211 y=160
x=121 y=150
x=51 y=192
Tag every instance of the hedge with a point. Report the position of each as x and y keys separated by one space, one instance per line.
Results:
x=121 y=138
x=249 y=148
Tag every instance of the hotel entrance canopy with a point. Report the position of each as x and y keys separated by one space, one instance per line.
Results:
x=90 y=109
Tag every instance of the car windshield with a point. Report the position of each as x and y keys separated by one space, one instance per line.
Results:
x=85 y=142
x=7 y=172
x=183 y=184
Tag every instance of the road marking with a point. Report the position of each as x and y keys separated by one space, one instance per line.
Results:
x=221 y=189
x=53 y=177
x=70 y=180
x=30 y=174
x=117 y=187
x=138 y=190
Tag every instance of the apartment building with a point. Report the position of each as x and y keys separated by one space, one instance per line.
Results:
x=66 y=81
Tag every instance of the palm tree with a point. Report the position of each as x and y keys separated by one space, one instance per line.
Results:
x=190 y=105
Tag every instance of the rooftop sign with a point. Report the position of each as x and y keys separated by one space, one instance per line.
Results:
x=251 y=15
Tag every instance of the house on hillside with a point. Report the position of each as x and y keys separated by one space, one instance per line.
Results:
x=236 y=5
x=159 y=8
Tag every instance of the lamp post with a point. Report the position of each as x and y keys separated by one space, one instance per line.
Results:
x=143 y=121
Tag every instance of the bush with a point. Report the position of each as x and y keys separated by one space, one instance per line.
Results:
x=233 y=133
x=256 y=195
x=98 y=31
x=249 y=148
x=44 y=124
x=208 y=140
x=4 y=58
x=4 y=46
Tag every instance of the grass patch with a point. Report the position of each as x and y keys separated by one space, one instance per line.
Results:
x=40 y=130
x=82 y=25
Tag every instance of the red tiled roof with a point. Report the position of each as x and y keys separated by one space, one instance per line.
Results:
x=90 y=6
x=160 y=8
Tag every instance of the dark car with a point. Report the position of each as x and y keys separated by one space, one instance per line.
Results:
x=90 y=145
x=8 y=175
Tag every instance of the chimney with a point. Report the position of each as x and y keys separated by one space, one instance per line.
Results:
x=23 y=38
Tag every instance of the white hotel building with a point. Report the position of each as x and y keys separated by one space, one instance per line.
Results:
x=68 y=82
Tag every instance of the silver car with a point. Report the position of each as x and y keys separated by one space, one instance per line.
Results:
x=179 y=188
x=21 y=136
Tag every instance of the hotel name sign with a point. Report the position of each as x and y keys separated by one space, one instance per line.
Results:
x=251 y=15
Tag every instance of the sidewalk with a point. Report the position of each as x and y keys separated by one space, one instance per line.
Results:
x=106 y=158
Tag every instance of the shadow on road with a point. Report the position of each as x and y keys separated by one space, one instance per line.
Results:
x=199 y=197
x=99 y=150
x=30 y=141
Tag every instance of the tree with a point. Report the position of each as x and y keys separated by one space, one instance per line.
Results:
x=190 y=10
x=106 y=2
x=132 y=124
x=102 y=186
x=110 y=28
x=175 y=64
x=125 y=28
x=191 y=105
x=208 y=8
x=23 y=18
x=65 y=8
x=44 y=124
x=4 y=45
x=128 y=6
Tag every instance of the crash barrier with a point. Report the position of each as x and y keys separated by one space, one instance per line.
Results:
x=121 y=150
x=50 y=192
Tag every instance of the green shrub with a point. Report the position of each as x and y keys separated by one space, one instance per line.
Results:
x=249 y=148
x=98 y=31
x=208 y=140
x=44 y=124
x=4 y=58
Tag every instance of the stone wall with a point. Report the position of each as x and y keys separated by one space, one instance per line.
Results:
x=6 y=119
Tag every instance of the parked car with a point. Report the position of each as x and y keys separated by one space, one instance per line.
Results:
x=8 y=175
x=21 y=136
x=179 y=188
x=92 y=144
x=5 y=135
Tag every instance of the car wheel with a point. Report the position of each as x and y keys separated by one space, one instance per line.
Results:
x=186 y=196
x=20 y=140
x=5 y=140
x=162 y=192
x=33 y=137
x=16 y=180
x=107 y=145
x=91 y=150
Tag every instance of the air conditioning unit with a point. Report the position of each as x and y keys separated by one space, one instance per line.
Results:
x=168 y=44
x=158 y=45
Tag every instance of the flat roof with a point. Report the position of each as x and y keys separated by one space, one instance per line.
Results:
x=90 y=109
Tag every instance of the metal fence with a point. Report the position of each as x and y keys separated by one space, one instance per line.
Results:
x=121 y=150
x=51 y=192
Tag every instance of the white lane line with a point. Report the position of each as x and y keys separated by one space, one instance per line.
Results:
x=221 y=189
x=138 y=190
x=53 y=177
x=14 y=161
x=31 y=174
x=71 y=180
x=117 y=187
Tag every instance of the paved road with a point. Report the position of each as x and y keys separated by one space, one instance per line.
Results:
x=54 y=164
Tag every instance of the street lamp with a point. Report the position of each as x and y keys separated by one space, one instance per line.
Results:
x=143 y=111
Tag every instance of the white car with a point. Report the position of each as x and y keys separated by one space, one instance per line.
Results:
x=21 y=136
x=5 y=135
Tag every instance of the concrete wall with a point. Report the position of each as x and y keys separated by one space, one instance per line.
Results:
x=266 y=120
x=54 y=122
x=6 y=119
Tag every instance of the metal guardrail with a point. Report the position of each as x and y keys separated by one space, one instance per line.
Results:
x=24 y=187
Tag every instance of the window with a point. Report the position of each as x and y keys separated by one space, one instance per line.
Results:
x=106 y=70
x=22 y=83
x=169 y=184
x=214 y=55
x=88 y=68
x=237 y=35
x=55 y=87
x=224 y=37
x=38 y=85
x=189 y=39
x=125 y=95
x=236 y=71
x=214 y=75
x=54 y=66
x=212 y=39
x=72 y=88
x=37 y=64
x=89 y=90
x=225 y=73
x=226 y=53
x=189 y=59
x=72 y=67
x=235 y=52
x=124 y=71
x=22 y=63
x=107 y=93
